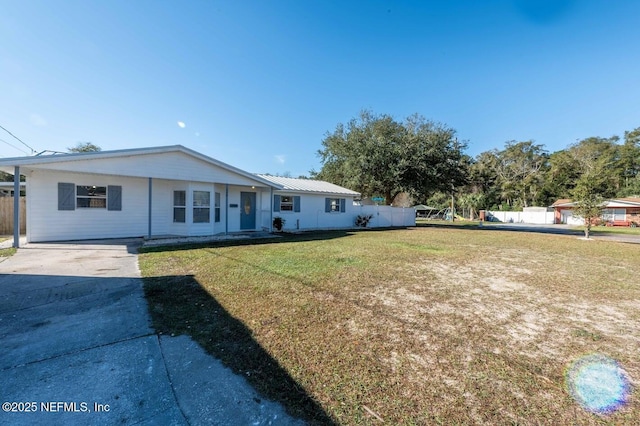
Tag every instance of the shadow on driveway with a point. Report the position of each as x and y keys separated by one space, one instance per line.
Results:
x=179 y=305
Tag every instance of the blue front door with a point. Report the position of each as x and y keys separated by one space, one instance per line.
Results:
x=247 y=210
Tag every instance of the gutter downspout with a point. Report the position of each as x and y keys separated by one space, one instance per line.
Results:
x=16 y=207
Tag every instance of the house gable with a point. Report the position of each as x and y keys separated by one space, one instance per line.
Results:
x=171 y=162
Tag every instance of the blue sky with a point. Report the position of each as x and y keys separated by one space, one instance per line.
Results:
x=257 y=84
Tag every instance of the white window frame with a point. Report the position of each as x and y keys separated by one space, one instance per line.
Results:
x=217 y=207
x=182 y=207
x=200 y=206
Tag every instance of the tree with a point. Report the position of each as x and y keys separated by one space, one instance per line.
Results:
x=84 y=147
x=561 y=177
x=377 y=155
x=588 y=201
x=630 y=162
x=474 y=202
x=596 y=161
x=520 y=169
x=599 y=159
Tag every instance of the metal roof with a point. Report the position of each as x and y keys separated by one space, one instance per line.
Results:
x=309 y=185
x=613 y=202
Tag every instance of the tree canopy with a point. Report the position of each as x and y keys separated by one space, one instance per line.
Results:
x=84 y=147
x=377 y=155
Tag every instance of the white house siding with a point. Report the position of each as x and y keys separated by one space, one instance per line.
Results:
x=167 y=165
x=312 y=213
x=47 y=223
x=262 y=206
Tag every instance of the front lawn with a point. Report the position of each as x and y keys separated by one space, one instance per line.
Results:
x=418 y=326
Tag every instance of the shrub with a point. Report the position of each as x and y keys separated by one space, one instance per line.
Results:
x=363 y=220
x=278 y=223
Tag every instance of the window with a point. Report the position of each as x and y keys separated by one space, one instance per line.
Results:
x=335 y=205
x=201 y=206
x=286 y=203
x=613 y=214
x=72 y=196
x=179 y=206
x=217 y=210
x=91 y=196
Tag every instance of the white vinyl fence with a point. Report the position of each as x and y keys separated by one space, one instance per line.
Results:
x=387 y=216
x=533 y=217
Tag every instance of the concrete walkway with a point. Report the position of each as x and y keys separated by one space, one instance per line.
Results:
x=76 y=347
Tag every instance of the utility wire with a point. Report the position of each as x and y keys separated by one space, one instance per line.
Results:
x=13 y=146
x=18 y=139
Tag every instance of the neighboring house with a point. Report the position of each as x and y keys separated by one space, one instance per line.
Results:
x=619 y=211
x=171 y=191
x=312 y=204
x=6 y=188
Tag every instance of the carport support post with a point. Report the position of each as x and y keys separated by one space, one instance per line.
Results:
x=16 y=207
x=150 y=201
x=271 y=213
x=226 y=208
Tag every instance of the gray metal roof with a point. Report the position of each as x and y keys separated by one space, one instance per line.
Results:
x=309 y=185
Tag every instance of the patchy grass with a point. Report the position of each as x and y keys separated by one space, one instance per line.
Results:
x=437 y=325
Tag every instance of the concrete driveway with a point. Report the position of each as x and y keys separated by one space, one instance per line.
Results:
x=76 y=347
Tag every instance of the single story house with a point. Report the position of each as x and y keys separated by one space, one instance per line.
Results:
x=620 y=211
x=166 y=191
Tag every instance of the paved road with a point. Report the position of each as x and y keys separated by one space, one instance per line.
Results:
x=76 y=347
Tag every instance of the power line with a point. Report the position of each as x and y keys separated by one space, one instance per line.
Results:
x=18 y=139
x=13 y=146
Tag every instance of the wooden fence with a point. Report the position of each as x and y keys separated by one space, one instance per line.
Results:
x=6 y=215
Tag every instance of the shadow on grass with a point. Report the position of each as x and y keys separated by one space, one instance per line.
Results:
x=275 y=239
x=180 y=305
x=500 y=226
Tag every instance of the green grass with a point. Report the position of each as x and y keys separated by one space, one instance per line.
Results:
x=7 y=252
x=433 y=325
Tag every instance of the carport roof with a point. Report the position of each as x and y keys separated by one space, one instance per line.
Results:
x=7 y=164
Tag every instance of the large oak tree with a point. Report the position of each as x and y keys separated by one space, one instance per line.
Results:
x=377 y=155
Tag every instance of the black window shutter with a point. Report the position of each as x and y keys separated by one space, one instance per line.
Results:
x=114 y=197
x=296 y=203
x=276 y=203
x=343 y=205
x=66 y=196
x=327 y=205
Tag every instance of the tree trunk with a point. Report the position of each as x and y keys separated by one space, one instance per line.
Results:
x=387 y=197
x=587 y=229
